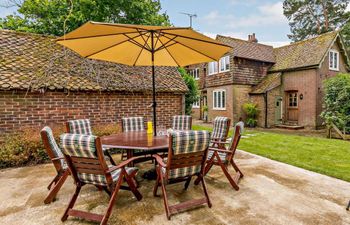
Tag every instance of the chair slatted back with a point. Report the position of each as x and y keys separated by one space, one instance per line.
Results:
x=221 y=128
x=85 y=158
x=52 y=148
x=82 y=126
x=182 y=122
x=187 y=153
x=133 y=124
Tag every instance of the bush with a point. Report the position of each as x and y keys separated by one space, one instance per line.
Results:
x=251 y=110
x=337 y=104
x=193 y=94
x=26 y=148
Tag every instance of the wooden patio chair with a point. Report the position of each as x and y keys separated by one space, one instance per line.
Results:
x=186 y=158
x=83 y=126
x=57 y=158
x=221 y=127
x=86 y=161
x=182 y=122
x=225 y=157
x=135 y=124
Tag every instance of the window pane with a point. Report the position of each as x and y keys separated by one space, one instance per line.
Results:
x=335 y=61
x=223 y=99
x=215 y=100
x=330 y=59
x=219 y=99
x=227 y=63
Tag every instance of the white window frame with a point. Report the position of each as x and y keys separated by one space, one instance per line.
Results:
x=195 y=104
x=217 y=105
x=215 y=67
x=332 y=56
x=226 y=61
x=195 y=73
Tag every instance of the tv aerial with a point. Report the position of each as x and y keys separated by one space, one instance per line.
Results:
x=190 y=15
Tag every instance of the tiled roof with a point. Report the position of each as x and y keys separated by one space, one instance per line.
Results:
x=248 y=50
x=270 y=82
x=33 y=62
x=303 y=54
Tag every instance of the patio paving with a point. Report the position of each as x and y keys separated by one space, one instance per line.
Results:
x=270 y=193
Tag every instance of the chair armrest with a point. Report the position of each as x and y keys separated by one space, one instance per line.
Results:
x=220 y=142
x=220 y=150
x=159 y=160
x=57 y=158
x=123 y=164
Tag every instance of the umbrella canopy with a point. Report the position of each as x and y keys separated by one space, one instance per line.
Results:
x=138 y=45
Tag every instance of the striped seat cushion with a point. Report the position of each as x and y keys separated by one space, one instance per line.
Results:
x=54 y=147
x=185 y=142
x=220 y=128
x=101 y=179
x=182 y=122
x=79 y=145
x=133 y=124
x=82 y=126
x=222 y=155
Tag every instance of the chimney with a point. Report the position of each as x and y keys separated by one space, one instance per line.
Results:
x=252 y=38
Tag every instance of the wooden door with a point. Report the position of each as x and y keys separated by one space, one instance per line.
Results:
x=292 y=106
x=278 y=109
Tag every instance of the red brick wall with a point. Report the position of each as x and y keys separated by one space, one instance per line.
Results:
x=18 y=110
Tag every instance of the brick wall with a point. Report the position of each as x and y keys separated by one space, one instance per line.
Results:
x=18 y=110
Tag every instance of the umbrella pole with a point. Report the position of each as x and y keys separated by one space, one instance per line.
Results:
x=154 y=92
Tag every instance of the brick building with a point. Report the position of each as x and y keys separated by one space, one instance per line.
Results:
x=285 y=82
x=43 y=84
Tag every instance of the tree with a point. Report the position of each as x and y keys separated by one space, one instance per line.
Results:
x=309 y=18
x=337 y=104
x=57 y=17
x=192 y=95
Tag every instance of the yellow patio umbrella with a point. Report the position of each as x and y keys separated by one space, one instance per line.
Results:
x=139 y=45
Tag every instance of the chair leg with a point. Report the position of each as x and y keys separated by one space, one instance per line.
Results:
x=155 y=189
x=110 y=157
x=112 y=200
x=165 y=198
x=188 y=181
x=228 y=176
x=206 y=170
x=52 y=194
x=347 y=208
x=71 y=203
x=132 y=186
x=205 y=190
x=236 y=168
x=54 y=180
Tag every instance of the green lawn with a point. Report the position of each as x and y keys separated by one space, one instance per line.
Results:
x=327 y=156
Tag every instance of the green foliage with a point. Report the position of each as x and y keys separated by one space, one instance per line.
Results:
x=49 y=17
x=309 y=18
x=251 y=110
x=26 y=148
x=193 y=93
x=337 y=101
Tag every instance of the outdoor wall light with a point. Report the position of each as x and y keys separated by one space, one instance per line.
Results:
x=301 y=96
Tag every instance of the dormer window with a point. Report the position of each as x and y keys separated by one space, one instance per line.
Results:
x=224 y=64
x=195 y=73
x=212 y=68
x=334 y=60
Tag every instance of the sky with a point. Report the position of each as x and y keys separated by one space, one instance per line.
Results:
x=235 y=18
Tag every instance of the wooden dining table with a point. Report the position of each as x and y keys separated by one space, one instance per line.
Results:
x=136 y=140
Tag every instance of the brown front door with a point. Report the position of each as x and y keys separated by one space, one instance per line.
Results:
x=292 y=106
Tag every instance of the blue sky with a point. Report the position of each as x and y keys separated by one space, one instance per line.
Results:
x=235 y=18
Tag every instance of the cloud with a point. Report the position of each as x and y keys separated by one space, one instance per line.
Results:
x=269 y=14
x=348 y=8
x=239 y=35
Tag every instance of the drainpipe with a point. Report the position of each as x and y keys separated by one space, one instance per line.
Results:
x=265 y=100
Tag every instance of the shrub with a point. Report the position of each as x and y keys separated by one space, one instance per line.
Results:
x=251 y=110
x=337 y=104
x=26 y=148
x=192 y=95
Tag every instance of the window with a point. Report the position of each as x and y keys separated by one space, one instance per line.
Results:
x=212 y=68
x=219 y=99
x=195 y=104
x=195 y=73
x=224 y=64
x=333 y=60
x=293 y=99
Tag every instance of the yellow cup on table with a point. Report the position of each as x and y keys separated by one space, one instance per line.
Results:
x=149 y=127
